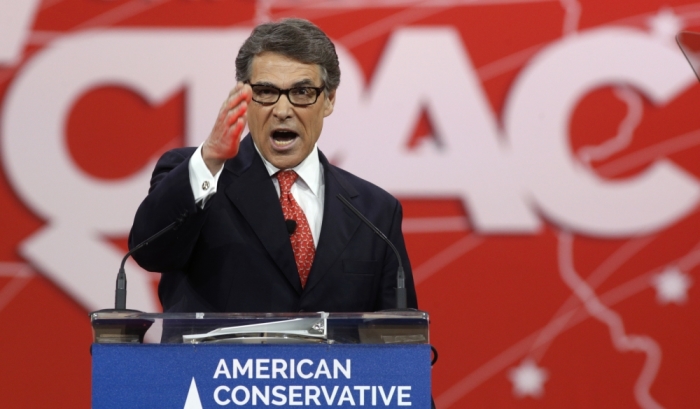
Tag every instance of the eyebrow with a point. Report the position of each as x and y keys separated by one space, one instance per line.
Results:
x=302 y=83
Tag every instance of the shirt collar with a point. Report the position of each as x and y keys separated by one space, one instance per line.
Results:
x=309 y=170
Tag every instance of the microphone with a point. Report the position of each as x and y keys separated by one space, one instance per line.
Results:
x=400 y=275
x=291 y=226
x=120 y=292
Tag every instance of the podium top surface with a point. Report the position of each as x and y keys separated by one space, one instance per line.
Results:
x=384 y=327
x=130 y=314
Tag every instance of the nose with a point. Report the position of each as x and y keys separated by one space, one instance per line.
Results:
x=283 y=108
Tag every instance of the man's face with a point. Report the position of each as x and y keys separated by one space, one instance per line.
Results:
x=285 y=134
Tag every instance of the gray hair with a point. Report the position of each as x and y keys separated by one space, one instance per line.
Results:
x=294 y=38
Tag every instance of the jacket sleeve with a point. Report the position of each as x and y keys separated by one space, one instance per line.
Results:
x=170 y=198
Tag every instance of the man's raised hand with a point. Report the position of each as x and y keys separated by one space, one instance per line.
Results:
x=223 y=141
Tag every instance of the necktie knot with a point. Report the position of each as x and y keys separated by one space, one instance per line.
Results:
x=286 y=179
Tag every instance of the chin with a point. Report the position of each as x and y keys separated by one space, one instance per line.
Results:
x=286 y=162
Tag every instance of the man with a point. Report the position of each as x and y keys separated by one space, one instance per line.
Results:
x=263 y=230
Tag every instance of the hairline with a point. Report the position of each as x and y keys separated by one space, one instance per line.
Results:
x=321 y=68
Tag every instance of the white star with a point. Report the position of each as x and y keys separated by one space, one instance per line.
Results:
x=672 y=286
x=528 y=379
x=665 y=25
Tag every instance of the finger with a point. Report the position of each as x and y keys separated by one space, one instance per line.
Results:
x=232 y=94
x=238 y=129
x=233 y=135
x=238 y=112
x=236 y=88
x=241 y=89
x=235 y=100
x=247 y=90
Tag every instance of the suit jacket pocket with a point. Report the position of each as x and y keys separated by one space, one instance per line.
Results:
x=359 y=285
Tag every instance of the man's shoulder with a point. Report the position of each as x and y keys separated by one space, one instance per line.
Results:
x=184 y=152
x=174 y=157
x=365 y=189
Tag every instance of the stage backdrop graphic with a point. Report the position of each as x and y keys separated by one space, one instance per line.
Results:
x=545 y=152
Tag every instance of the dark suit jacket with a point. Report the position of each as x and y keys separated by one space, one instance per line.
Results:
x=235 y=254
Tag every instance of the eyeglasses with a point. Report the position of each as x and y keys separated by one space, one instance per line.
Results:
x=298 y=96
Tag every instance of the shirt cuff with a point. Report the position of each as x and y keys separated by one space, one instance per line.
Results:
x=202 y=182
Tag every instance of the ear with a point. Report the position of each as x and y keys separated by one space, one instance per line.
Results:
x=328 y=103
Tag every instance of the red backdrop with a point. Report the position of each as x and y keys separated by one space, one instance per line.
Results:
x=551 y=218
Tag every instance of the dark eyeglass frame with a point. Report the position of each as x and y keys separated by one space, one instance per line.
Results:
x=285 y=92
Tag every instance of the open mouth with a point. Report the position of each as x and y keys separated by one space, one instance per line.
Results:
x=282 y=138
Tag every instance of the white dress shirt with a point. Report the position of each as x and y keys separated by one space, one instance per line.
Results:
x=308 y=190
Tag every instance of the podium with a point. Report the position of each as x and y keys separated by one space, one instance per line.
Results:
x=236 y=360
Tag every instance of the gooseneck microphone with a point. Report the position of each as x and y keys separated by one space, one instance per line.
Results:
x=400 y=275
x=291 y=226
x=120 y=292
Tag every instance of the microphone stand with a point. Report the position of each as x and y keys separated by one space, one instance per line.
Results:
x=400 y=275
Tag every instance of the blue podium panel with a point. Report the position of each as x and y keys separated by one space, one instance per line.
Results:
x=260 y=376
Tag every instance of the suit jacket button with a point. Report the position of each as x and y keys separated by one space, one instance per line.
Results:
x=302 y=310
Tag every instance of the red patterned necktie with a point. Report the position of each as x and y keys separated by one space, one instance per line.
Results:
x=302 y=240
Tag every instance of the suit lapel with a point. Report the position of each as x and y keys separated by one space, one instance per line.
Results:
x=253 y=194
x=338 y=225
